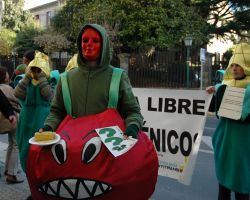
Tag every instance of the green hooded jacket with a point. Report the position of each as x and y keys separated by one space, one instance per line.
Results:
x=89 y=88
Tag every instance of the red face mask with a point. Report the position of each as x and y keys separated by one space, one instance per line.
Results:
x=91 y=44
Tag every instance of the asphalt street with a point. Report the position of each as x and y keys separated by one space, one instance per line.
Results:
x=204 y=184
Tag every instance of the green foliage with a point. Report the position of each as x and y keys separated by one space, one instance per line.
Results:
x=224 y=17
x=51 y=41
x=132 y=23
x=25 y=37
x=159 y=23
x=14 y=16
x=69 y=19
x=7 y=38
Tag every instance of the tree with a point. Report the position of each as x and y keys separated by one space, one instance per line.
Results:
x=22 y=22
x=51 y=41
x=14 y=16
x=224 y=17
x=7 y=39
x=25 y=37
x=132 y=23
x=158 y=23
x=69 y=19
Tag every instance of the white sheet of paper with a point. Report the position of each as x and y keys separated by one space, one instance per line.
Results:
x=231 y=104
x=114 y=140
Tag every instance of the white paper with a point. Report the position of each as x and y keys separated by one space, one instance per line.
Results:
x=232 y=101
x=114 y=140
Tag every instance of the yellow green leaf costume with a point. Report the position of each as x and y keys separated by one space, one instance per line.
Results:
x=231 y=139
x=35 y=98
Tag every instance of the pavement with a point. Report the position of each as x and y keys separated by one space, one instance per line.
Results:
x=18 y=191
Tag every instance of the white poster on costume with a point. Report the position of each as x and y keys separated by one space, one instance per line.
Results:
x=174 y=120
x=231 y=104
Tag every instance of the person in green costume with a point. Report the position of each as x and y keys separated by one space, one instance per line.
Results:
x=231 y=138
x=35 y=92
x=89 y=84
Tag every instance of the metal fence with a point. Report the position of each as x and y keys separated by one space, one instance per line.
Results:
x=149 y=69
x=10 y=63
x=163 y=69
x=60 y=64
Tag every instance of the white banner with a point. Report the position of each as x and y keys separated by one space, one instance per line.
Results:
x=174 y=120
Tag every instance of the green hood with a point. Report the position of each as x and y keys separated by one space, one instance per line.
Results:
x=105 y=55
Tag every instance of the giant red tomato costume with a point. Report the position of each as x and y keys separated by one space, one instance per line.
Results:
x=81 y=167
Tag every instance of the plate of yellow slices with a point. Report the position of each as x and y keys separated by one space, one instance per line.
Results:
x=45 y=138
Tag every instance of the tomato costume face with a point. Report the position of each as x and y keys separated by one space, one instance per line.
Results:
x=81 y=167
x=91 y=44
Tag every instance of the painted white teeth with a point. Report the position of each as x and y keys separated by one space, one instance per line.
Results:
x=50 y=192
x=90 y=184
x=74 y=188
x=98 y=191
x=104 y=186
x=82 y=193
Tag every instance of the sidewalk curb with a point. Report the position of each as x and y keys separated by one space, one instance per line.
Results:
x=18 y=191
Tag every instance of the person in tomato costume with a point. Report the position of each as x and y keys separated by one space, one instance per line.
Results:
x=79 y=166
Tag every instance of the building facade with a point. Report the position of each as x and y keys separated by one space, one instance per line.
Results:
x=44 y=11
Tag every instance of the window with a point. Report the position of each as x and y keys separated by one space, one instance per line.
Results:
x=49 y=15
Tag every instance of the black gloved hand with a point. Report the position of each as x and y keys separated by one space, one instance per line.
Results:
x=132 y=130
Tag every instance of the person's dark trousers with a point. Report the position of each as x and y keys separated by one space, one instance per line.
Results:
x=225 y=194
x=240 y=196
x=29 y=198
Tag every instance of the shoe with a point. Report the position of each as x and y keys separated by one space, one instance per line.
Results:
x=13 y=179
x=29 y=198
